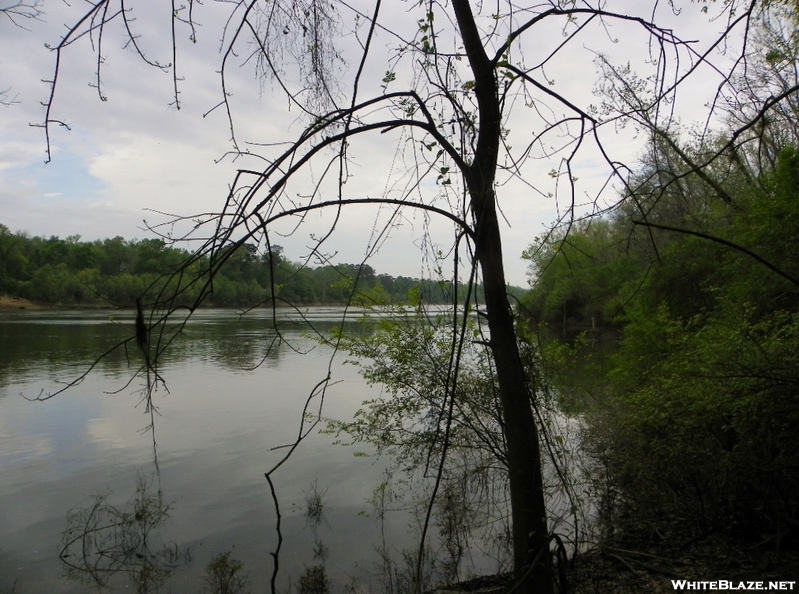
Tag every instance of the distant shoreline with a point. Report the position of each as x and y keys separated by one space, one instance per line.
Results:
x=7 y=302
x=10 y=303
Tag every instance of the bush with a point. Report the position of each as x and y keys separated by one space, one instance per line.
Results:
x=223 y=576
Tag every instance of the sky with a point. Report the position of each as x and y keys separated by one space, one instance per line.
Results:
x=134 y=160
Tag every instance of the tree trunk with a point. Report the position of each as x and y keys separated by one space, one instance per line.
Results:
x=530 y=534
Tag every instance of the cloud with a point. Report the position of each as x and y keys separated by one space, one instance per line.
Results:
x=136 y=151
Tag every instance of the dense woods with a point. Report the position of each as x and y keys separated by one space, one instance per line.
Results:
x=115 y=272
x=673 y=324
x=670 y=324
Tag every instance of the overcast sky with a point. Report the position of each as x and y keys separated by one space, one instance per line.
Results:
x=135 y=153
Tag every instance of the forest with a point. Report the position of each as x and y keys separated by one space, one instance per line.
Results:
x=671 y=325
x=115 y=272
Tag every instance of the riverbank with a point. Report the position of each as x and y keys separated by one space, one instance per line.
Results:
x=652 y=568
x=8 y=302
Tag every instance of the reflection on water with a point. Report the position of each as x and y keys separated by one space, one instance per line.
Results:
x=224 y=575
x=103 y=542
x=65 y=341
x=216 y=429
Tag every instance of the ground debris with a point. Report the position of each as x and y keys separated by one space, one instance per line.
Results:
x=650 y=568
x=484 y=584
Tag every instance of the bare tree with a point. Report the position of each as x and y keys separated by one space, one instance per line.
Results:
x=20 y=10
x=469 y=100
x=17 y=13
x=762 y=106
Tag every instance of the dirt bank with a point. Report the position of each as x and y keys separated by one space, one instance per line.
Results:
x=8 y=302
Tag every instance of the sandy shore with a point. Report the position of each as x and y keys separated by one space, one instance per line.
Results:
x=7 y=302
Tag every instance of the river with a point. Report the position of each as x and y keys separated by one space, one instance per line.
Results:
x=217 y=425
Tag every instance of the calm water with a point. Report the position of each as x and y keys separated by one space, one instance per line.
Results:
x=217 y=424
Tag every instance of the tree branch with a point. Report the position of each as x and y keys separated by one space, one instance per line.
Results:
x=726 y=243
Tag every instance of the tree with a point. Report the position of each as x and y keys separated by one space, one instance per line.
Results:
x=17 y=12
x=408 y=356
x=770 y=74
x=693 y=411
x=21 y=9
x=12 y=258
x=701 y=386
x=465 y=71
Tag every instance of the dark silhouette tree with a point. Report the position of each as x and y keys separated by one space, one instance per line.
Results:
x=462 y=71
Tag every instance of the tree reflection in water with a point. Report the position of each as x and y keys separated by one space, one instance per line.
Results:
x=102 y=541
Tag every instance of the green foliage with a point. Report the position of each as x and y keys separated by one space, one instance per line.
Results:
x=409 y=355
x=425 y=409
x=117 y=271
x=717 y=420
x=694 y=411
x=578 y=274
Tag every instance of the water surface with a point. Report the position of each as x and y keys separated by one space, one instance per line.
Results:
x=217 y=425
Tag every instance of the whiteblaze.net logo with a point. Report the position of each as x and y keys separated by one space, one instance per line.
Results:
x=730 y=585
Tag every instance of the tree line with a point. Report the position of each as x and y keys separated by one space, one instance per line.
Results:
x=673 y=324
x=117 y=271
x=673 y=320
